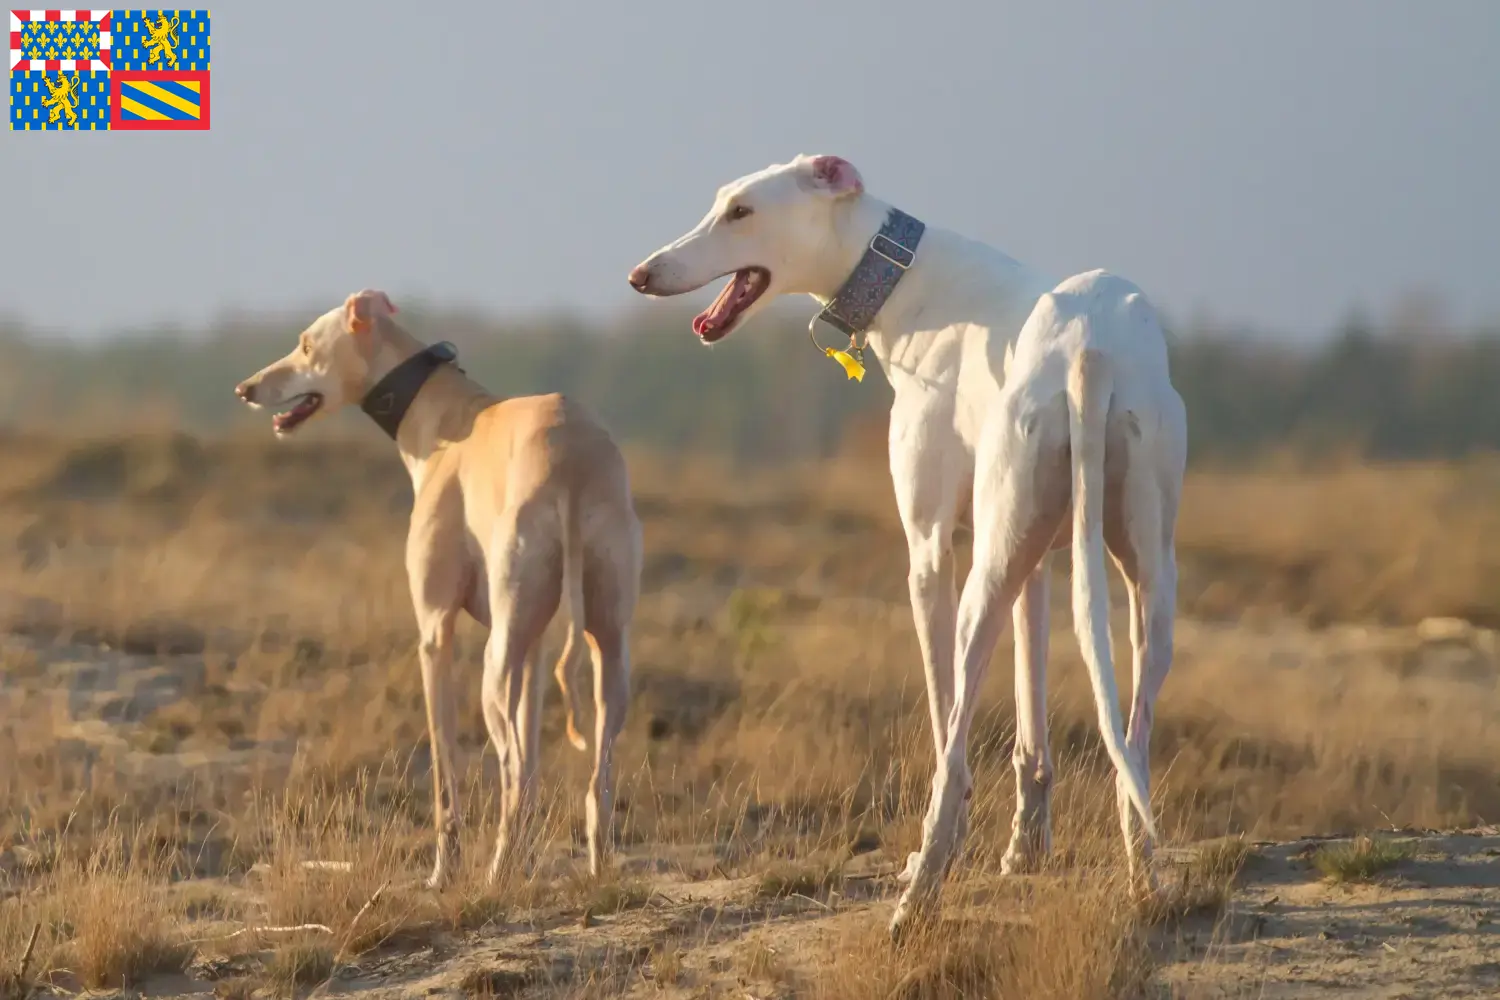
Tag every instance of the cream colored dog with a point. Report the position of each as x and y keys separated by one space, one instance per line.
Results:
x=517 y=503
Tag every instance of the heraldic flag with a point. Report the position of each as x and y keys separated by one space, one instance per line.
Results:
x=102 y=70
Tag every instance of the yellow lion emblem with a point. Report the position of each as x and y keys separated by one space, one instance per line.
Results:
x=64 y=99
x=163 y=40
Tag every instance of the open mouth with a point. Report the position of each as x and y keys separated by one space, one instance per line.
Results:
x=302 y=407
x=715 y=322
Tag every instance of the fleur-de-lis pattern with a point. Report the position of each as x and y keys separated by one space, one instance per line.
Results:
x=60 y=40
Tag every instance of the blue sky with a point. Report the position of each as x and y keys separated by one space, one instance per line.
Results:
x=1271 y=163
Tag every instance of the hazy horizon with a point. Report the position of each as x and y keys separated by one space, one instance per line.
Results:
x=1275 y=166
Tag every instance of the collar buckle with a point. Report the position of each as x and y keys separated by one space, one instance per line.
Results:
x=908 y=255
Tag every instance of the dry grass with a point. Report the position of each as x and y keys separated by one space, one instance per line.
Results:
x=1207 y=882
x=777 y=724
x=105 y=918
x=1079 y=940
x=1362 y=858
x=791 y=879
x=494 y=984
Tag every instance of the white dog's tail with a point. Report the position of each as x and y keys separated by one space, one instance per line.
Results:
x=572 y=586
x=1090 y=387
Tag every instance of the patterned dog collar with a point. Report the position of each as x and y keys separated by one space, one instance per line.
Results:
x=865 y=291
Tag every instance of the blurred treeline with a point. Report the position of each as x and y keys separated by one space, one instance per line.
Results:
x=1399 y=389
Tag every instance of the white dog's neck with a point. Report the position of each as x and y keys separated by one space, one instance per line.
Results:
x=954 y=282
x=891 y=336
x=855 y=224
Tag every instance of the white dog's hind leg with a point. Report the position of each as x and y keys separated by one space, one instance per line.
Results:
x=1139 y=533
x=1031 y=829
x=1151 y=613
x=1150 y=568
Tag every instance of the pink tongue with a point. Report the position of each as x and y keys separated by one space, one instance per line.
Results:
x=295 y=414
x=714 y=315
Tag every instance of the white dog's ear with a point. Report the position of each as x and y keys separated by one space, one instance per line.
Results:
x=830 y=175
x=360 y=309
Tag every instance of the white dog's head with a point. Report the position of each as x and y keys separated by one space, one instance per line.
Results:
x=328 y=369
x=772 y=230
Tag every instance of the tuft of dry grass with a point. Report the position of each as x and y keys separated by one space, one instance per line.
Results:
x=1206 y=885
x=809 y=879
x=610 y=895
x=497 y=984
x=1362 y=858
x=241 y=988
x=300 y=963
x=759 y=962
x=666 y=963
x=121 y=924
x=1077 y=941
x=17 y=982
x=473 y=907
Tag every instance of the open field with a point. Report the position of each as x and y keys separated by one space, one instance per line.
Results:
x=207 y=679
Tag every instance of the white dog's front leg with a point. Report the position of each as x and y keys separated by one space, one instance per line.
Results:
x=933 y=605
x=933 y=608
x=929 y=468
x=928 y=496
x=980 y=620
x=943 y=830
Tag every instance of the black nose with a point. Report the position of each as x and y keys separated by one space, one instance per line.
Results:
x=640 y=278
x=246 y=391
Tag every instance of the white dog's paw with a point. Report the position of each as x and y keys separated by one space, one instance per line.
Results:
x=912 y=860
x=1021 y=859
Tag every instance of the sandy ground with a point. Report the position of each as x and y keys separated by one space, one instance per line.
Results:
x=1428 y=927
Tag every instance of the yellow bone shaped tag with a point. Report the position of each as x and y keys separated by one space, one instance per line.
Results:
x=851 y=365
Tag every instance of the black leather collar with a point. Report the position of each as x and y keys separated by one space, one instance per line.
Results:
x=392 y=396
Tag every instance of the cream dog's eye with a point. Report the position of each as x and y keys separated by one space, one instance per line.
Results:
x=738 y=212
x=306 y=347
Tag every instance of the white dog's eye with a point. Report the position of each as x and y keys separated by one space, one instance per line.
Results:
x=738 y=212
x=306 y=347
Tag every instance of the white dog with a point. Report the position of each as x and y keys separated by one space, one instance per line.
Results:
x=1028 y=396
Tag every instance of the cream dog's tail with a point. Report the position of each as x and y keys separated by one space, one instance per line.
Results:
x=572 y=586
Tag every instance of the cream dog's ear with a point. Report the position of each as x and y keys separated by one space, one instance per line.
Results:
x=360 y=309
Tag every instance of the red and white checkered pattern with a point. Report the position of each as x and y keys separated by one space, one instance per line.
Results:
x=18 y=18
